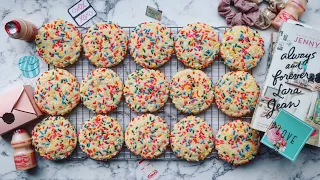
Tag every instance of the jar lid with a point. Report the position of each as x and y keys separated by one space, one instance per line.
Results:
x=13 y=27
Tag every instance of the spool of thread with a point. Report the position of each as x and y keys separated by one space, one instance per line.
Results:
x=293 y=9
x=21 y=29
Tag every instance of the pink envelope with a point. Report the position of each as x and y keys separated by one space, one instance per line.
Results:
x=17 y=107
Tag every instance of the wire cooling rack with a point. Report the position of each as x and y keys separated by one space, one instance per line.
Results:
x=213 y=116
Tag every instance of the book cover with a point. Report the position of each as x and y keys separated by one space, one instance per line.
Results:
x=293 y=80
x=287 y=135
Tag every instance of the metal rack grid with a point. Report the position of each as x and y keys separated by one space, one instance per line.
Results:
x=169 y=113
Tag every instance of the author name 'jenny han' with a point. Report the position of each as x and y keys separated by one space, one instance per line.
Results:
x=308 y=42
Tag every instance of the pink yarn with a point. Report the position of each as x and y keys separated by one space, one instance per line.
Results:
x=248 y=15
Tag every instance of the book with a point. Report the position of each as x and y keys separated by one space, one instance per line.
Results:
x=293 y=80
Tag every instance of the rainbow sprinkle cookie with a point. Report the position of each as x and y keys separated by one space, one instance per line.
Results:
x=237 y=93
x=191 y=91
x=237 y=143
x=146 y=90
x=105 y=44
x=197 y=45
x=147 y=136
x=192 y=139
x=57 y=92
x=242 y=48
x=101 y=90
x=101 y=137
x=59 y=43
x=54 y=138
x=151 y=44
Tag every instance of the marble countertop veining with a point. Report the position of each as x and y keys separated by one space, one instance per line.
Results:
x=268 y=165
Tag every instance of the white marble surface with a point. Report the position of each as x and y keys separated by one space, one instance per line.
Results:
x=268 y=165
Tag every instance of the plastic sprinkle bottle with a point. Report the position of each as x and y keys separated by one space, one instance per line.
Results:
x=293 y=9
x=24 y=157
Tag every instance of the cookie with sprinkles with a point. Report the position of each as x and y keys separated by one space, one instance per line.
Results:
x=57 y=92
x=192 y=139
x=237 y=93
x=58 y=43
x=146 y=90
x=197 y=45
x=101 y=90
x=237 y=143
x=54 y=138
x=105 y=44
x=151 y=44
x=191 y=91
x=147 y=136
x=101 y=137
x=242 y=48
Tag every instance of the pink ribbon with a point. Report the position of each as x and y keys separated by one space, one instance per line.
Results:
x=248 y=15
